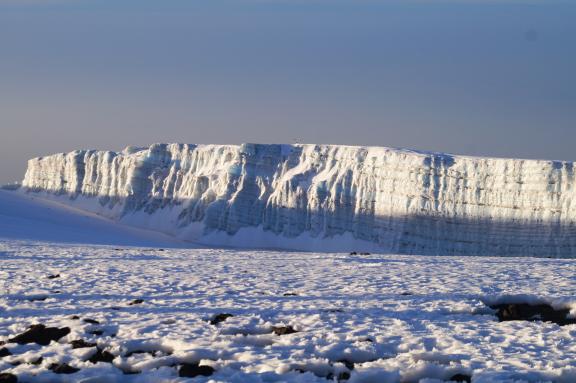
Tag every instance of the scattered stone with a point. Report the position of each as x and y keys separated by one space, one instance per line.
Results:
x=219 y=318
x=160 y=249
x=349 y=365
x=344 y=375
x=364 y=253
x=37 y=298
x=54 y=276
x=101 y=356
x=406 y=293
x=136 y=302
x=461 y=378
x=131 y=372
x=353 y=253
x=6 y=377
x=37 y=362
x=96 y=332
x=91 y=321
x=290 y=294
x=191 y=370
x=75 y=317
x=41 y=334
x=81 y=343
x=283 y=330
x=62 y=368
x=4 y=352
x=532 y=313
x=56 y=292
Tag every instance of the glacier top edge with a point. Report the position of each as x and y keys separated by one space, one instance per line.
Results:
x=136 y=150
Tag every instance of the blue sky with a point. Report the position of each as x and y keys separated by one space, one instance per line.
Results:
x=494 y=78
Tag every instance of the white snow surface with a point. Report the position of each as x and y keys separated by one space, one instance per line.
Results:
x=323 y=197
x=398 y=318
x=27 y=218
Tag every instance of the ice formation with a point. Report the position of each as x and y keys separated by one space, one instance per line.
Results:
x=311 y=196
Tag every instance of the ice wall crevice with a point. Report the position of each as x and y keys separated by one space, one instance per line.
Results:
x=398 y=200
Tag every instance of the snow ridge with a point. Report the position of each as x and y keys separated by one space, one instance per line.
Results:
x=307 y=196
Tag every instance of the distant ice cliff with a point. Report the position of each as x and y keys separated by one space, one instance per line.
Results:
x=315 y=196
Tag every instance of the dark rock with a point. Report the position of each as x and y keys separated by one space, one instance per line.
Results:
x=406 y=293
x=62 y=368
x=114 y=308
x=37 y=362
x=219 y=318
x=101 y=356
x=344 y=375
x=91 y=321
x=349 y=365
x=190 y=370
x=131 y=372
x=364 y=253
x=4 y=352
x=136 y=302
x=41 y=334
x=353 y=253
x=532 y=313
x=96 y=332
x=81 y=343
x=54 y=276
x=7 y=377
x=461 y=378
x=300 y=370
x=283 y=330
x=290 y=294
x=38 y=298
x=75 y=317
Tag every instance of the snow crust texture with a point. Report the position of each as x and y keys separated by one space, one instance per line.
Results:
x=357 y=318
x=383 y=199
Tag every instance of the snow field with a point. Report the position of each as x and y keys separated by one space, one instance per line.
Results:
x=358 y=318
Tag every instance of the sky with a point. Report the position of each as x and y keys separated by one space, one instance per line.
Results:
x=475 y=77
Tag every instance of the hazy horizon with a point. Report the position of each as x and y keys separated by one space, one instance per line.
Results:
x=481 y=78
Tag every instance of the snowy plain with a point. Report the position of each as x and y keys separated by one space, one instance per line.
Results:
x=356 y=318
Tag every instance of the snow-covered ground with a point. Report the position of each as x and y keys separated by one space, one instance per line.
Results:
x=357 y=318
x=28 y=218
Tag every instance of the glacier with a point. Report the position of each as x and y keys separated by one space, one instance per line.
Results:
x=323 y=197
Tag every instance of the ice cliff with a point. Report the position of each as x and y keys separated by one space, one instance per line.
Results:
x=315 y=196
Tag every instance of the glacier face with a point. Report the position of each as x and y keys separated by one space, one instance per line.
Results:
x=393 y=200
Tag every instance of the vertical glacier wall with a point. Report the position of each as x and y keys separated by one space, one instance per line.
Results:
x=395 y=200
